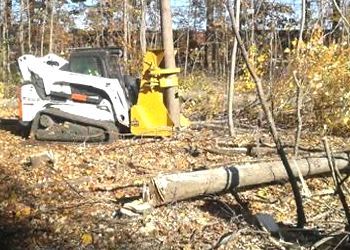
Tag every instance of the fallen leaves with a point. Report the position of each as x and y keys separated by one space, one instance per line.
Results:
x=42 y=204
x=22 y=211
x=86 y=239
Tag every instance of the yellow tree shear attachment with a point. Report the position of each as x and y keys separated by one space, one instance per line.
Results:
x=150 y=116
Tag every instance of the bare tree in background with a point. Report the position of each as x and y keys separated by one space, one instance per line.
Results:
x=336 y=18
x=30 y=11
x=53 y=3
x=187 y=43
x=302 y=24
x=233 y=66
x=43 y=27
x=21 y=27
x=143 y=41
x=125 y=30
x=209 y=34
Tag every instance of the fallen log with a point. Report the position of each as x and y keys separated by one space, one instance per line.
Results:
x=168 y=188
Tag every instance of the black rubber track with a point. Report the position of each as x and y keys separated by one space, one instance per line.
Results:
x=110 y=131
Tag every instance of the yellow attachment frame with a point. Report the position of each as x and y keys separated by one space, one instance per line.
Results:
x=149 y=116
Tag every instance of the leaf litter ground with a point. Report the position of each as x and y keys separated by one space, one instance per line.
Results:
x=62 y=206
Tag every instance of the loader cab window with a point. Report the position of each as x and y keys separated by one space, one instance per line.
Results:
x=115 y=66
x=88 y=65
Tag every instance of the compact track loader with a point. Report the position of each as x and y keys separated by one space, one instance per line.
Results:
x=88 y=98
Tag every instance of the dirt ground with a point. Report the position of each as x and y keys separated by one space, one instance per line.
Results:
x=60 y=205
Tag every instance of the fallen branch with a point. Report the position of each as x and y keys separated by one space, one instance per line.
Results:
x=75 y=181
x=113 y=187
x=249 y=150
x=254 y=150
x=226 y=238
x=228 y=151
x=230 y=144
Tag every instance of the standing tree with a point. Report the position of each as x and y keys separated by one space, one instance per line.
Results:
x=53 y=3
x=233 y=68
x=171 y=93
x=5 y=42
x=302 y=24
x=272 y=126
x=143 y=41
x=125 y=30
x=209 y=34
x=21 y=27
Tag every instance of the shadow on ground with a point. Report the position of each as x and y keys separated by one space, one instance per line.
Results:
x=239 y=213
x=13 y=126
x=17 y=230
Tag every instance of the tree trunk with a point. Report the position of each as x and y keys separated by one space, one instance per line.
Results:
x=187 y=49
x=302 y=24
x=143 y=41
x=174 y=187
x=308 y=14
x=7 y=13
x=252 y=23
x=103 y=25
x=125 y=30
x=209 y=34
x=29 y=17
x=299 y=103
x=217 y=53
x=3 y=42
x=43 y=27
x=171 y=93
x=21 y=28
x=335 y=18
x=53 y=4
x=231 y=87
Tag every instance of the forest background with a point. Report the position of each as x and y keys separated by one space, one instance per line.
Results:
x=300 y=53
x=287 y=54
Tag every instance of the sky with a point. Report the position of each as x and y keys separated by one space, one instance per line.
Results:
x=296 y=4
x=177 y=3
x=174 y=3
